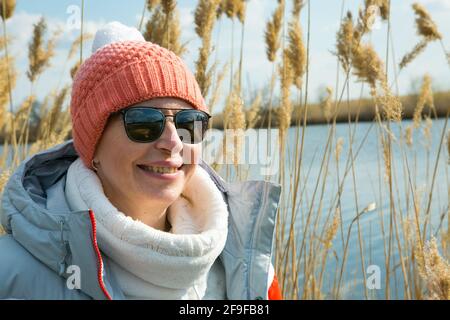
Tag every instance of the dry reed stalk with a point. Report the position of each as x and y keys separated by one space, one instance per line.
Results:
x=205 y=17
x=51 y=119
x=54 y=138
x=4 y=155
x=216 y=90
x=74 y=69
x=386 y=159
x=425 y=98
x=448 y=147
x=4 y=177
x=76 y=44
x=7 y=8
x=434 y=270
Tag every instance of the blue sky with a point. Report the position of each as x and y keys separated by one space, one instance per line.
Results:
x=325 y=17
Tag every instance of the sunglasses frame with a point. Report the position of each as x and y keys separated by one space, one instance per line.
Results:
x=124 y=111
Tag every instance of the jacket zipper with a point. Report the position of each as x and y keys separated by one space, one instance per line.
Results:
x=99 y=256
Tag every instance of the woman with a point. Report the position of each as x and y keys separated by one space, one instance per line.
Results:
x=127 y=210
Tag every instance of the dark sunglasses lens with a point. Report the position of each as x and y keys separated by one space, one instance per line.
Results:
x=191 y=125
x=144 y=124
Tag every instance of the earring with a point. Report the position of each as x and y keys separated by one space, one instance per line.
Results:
x=93 y=165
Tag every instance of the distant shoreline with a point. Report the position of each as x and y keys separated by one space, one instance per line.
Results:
x=365 y=108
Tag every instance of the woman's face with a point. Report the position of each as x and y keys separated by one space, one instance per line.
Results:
x=129 y=170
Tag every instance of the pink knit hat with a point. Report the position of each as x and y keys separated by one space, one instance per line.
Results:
x=121 y=74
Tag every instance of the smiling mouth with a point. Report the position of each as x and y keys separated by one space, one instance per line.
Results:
x=161 y=170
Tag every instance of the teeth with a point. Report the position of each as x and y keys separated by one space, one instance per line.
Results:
x=159 y=169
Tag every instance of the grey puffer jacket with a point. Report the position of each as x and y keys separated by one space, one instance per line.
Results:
x=44 y=237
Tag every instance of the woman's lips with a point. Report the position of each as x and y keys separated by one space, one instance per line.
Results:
x=164 y=173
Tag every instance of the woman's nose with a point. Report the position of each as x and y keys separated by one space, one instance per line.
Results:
x=169 y=139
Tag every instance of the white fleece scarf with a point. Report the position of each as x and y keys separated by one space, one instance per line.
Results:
x=149 y=263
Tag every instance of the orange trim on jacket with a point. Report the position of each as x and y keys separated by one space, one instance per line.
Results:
x=274 y=290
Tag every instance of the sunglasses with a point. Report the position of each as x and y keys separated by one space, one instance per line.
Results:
x=146 y=124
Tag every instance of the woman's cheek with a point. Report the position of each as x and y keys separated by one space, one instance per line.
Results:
x=192 y=154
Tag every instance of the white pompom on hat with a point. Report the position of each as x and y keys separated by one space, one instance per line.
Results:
x=115 y=32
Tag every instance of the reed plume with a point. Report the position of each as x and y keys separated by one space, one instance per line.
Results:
x=272 y=33
x=4 y=177
x=434 y=270
x=414 y=53
x=297 y=8
x=168 y=6
x=4 y=84
x=7 y=8
x=367 y=16
x=332 y=230
x=296 y=52
x=253 y=114
x=345 y=42
x=234 y=119
x=231 y=8
x=367 y=65
x=427 y=29
x=327 y=104
x=427 y=132
x=39 y=54
x=338 y=151
x=425 y=98
x=240 y=12
x=163 y=28
x=408 y=136
x=284 y=111
x=152 y=4
x=392 y=106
